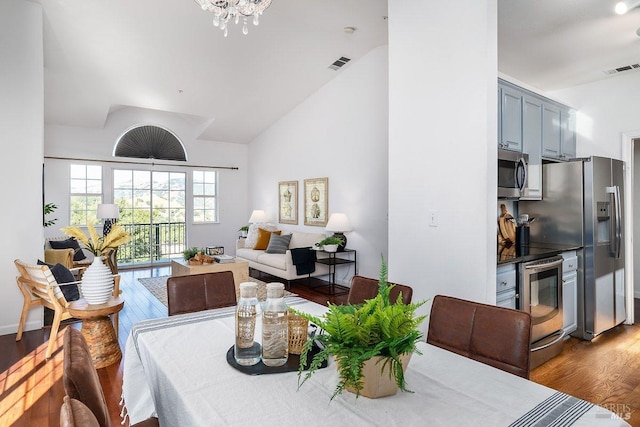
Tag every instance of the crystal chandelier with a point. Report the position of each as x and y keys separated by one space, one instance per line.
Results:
x=232 y=10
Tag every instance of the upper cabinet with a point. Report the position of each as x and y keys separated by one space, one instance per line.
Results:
x=510 y=124
x=518 y=124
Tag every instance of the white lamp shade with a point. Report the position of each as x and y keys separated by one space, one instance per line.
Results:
x=257 y=216
x=338 y=222
x=108 y=211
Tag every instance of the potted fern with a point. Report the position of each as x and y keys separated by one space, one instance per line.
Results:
x=329 y=244
x=370 y=342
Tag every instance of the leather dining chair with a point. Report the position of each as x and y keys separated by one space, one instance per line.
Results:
x=197 y=292
x=84 y=404
x=364 y=288
x=496 y=336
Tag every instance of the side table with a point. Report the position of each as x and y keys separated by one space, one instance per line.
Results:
x=334 y=259
x=97 y=329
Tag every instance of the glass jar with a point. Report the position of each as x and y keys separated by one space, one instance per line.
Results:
x=275 y=327
x=247 y=350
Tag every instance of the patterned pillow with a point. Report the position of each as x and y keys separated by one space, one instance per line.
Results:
x=278 y=244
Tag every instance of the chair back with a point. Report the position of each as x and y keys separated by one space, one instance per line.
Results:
x=62 y=256
x=364 y=288
x=38 y=282
x=74 y=413
x=197 y=292
x=496 y=336
x=80 y=378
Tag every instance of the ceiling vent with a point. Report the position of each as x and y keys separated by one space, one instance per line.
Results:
x=339 y=63
x=150 y=142
x=623 y=69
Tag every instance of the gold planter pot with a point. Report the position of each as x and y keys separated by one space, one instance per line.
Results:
x=378 y=378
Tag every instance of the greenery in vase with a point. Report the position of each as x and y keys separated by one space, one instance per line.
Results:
x=190 y=253
x=244 y=228
x=354 y=334
x=331 y=240
x=96 y=244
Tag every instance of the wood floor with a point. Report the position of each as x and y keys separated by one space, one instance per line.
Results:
x=605 y=371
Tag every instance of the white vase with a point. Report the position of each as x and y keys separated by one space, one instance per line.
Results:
x=97 y=282
x=330 y=248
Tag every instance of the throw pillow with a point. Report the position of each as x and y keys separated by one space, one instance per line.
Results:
x=252 y=234
x=278 y=244
x=72 y=243
x=63 y=275
x=263 y=238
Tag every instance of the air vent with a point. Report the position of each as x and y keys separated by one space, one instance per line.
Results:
x=150 y=142
x=339 y=63
x=623 y=69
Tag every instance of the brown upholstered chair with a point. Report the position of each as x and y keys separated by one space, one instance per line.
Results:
x=197 y=292
x=496 y=336
x=82 y=386
x=364 y=288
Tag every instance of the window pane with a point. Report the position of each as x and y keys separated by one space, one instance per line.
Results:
x=94 y=187
x=198 y=189
x=210 y=189
x=209 y=203
x=94 y=172
x=122 y=178
x=141 y=179
x=78 y=171
x=78 y=186
x=198 y=203
x=210 y=177
x=210 y=216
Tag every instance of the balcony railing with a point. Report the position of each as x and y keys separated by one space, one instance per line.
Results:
x=151 y=243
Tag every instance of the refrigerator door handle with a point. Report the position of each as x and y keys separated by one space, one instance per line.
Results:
x=617 y=227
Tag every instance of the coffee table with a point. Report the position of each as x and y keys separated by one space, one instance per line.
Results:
x=240 y=269
x=97 y=329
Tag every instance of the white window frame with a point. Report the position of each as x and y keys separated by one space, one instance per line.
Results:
x=207 y=194
x=89 y=182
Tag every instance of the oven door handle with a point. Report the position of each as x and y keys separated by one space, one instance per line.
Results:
x=543 y=265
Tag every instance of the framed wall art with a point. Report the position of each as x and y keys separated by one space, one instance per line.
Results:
x=288 y=202
x=316 y=201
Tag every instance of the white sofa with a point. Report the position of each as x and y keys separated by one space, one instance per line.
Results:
x=281 y=265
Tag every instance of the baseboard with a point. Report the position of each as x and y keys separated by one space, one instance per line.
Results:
x=13 y=329
x=636 y=294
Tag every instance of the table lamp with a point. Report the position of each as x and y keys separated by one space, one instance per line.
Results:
x=257 y=216
x=109 y=213
x=339 y=224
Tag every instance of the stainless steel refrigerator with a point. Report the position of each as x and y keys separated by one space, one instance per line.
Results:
x=583 y=205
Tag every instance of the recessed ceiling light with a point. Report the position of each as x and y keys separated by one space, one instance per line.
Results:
x=623 y=7
x=349 y=30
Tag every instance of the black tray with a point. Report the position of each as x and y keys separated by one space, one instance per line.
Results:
x=293 y=363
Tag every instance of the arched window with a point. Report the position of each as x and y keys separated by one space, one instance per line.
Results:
x=150 y=142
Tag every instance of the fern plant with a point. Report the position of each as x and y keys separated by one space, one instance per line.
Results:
x=354 y=334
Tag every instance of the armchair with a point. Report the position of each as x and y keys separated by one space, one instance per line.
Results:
x=39 y=288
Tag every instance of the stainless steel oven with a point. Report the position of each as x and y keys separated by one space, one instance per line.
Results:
x=540 y=284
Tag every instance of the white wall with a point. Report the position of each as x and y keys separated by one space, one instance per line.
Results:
x=21 y=118
x=442 y=147
x=606 y=110
x=340 y=132
x=98 y=144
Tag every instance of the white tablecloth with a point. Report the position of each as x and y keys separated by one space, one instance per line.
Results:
x=176 y=368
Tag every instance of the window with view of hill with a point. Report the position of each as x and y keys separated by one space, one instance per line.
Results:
x=85 y=193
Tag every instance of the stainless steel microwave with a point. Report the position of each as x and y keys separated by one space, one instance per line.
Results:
x=512 y=174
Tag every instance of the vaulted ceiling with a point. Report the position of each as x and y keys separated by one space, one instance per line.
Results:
x=103 y=56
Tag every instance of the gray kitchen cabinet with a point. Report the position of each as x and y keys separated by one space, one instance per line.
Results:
x=510 y=118
x=532 y=143
x=568 y=128
x=506 y=286
x=569 y=292
x=551 y=130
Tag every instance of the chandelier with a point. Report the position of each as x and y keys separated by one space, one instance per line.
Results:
x=232 y=10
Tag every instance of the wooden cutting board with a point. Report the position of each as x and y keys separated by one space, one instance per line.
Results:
x=507 y=225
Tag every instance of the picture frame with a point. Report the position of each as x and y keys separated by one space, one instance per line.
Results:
x=288 y=202
x=316 y=201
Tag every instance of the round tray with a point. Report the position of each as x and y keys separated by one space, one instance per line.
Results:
x=293 y=363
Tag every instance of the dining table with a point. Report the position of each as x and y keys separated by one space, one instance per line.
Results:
x=176 y=369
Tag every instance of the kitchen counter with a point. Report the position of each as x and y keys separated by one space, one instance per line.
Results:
x=510 y=254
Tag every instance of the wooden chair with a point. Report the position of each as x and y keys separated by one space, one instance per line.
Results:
x=197 y=292
x=39 y=288
x=364 y=288
x=85 y=404
x=496 y=336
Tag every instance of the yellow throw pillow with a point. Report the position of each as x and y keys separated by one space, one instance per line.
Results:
x=263 y=238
